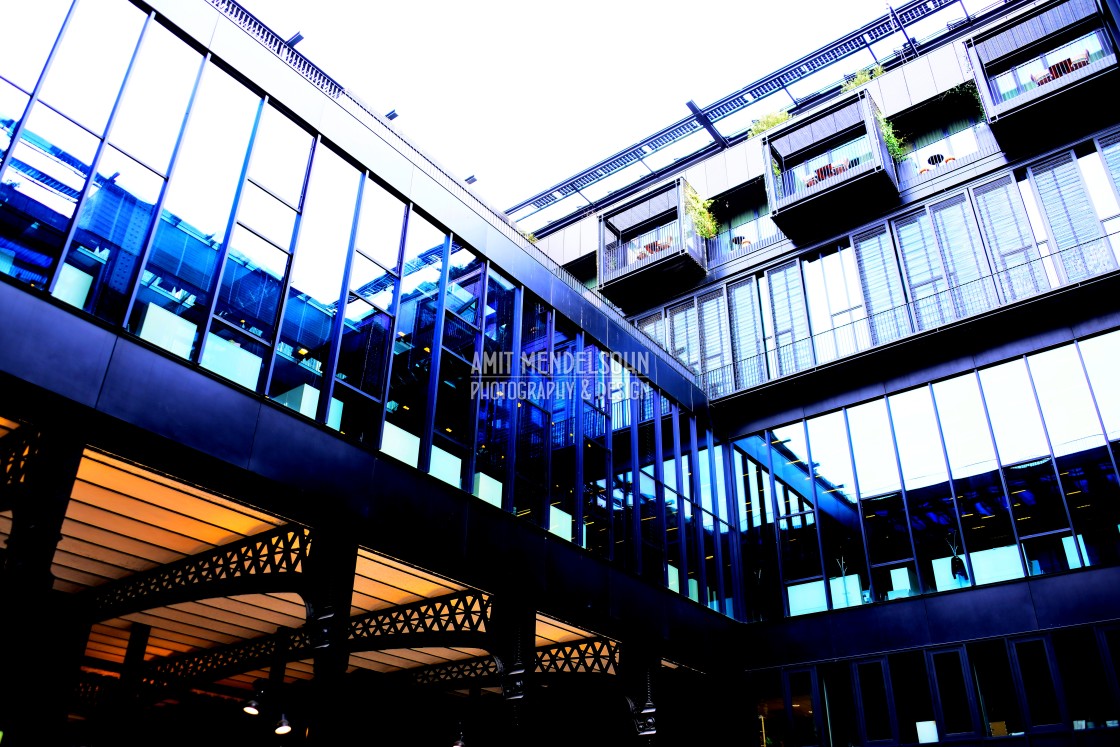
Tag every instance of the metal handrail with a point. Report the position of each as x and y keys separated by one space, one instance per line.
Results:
x=1011 y=284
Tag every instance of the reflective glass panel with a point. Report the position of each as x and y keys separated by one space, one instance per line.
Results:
x=233 y=355
x=316 y=285
x=1102 y=361
x=176 y=283
x=464 y=283
x=155 y=101
x=365 y=343
x=252 y=282
x=83 y=83
x=1036 y=501
x=267 y=216
x=1014 y=416
x=1067 y=406
x=873 y=446
x=280 y=153
x=12 y=104
x=381 y=224
x=39 y=192
x=26 y=52
x=104 y=258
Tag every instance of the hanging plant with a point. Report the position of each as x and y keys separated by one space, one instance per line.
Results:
x=863 y=76
x=706 y=224
x=896 y=146
x=768 y=121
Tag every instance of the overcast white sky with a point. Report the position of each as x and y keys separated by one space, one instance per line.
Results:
x=523 y=95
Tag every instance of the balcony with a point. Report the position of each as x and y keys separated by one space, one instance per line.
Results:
x=830 y=170
x=650 y=249
x=930 y=310
x=1046 y=76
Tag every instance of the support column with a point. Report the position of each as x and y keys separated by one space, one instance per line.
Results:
x=40 y=639
x=513 y=631
x=330 y=571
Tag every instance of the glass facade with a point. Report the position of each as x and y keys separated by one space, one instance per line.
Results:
x=268 y=258
x=994 y=474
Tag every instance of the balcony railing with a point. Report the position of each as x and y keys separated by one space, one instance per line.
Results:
x=946 y=154
x=625 y=257
x=1047 y=68
x=1008 y=285
x=829 y=169
x=742 y=240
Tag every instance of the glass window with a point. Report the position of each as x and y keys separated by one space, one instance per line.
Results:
x=40 y=188
x=882 y=287
x=416 y=319
x=803 y=713
x=715 y=345
x=465 y=280
x=1008 y=232
x=233 y=355
x=873 y=446
x=792 y=347
x=965 y=263
x=380 y=228
x=252 y=282
x=873 y=697
x=103 y=261
x=26 y=52
x=839 y=515
x=991 y=669
x=1067 y=406
x=888 y=544
x=746 y=334
x=1036 y=501
x=1074 y=225
x=83 y=85
x=177 y=280
x=1011 y=407
x=154 y=103
x=1081 y=666
x=836 y=310
x=1038 y=683
x=365 y=345
x=985 y=514
x=315 y=287
x=925 y=272
x=933 y=515
x=952 y=691
x=684 y=335
x=1102 y=361
x=266 y=216
x=910 y=686
x=280 y=152
x=12 y=104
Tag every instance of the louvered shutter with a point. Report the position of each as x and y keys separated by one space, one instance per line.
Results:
x=1074 y=224
x=882 y=287
x=1005 y=225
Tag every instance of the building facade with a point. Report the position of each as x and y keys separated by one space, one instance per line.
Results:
x=794 y=435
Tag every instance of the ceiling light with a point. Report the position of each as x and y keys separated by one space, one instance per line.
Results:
x=253 y=707
x=282 y=726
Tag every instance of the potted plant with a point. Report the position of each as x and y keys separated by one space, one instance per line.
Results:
x=706 y=224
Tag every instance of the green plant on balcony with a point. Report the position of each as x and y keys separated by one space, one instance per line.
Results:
x=897 y=147
x=966 y=91
x=768 y=122
x=861 y=77
x=698 y=210
x=528 y=236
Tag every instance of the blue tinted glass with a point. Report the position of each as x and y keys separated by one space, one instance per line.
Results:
x=155 y=100
x=103 y=261
x=1011 y=406
x=176 y=285
x=12 y=104
x=83 y=84
x=316 y=286
x=39 y=193
x=26 y=52
x=252 y=281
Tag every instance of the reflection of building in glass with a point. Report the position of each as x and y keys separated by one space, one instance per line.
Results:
x=849 y=457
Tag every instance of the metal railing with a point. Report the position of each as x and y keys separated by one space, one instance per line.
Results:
x=936 y=309
x=742 y=240
x=622 y=258
x=374 y=122
x=946 y=154
x=820 y=173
